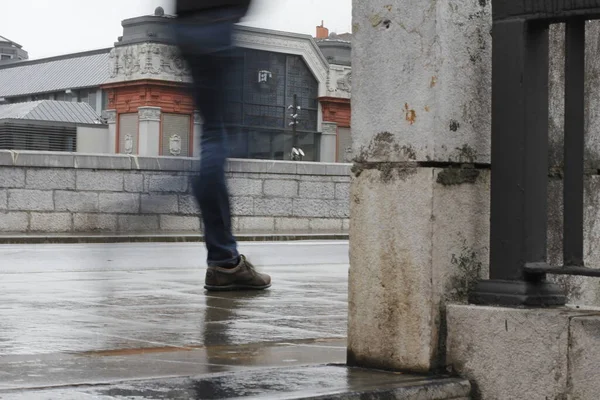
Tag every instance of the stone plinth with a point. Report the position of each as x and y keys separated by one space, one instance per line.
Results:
x=526 y=354
x=418 y=239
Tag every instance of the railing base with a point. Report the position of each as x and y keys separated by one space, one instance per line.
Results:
x=517 y=293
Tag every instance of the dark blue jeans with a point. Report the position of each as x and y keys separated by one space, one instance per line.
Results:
x=206 y=45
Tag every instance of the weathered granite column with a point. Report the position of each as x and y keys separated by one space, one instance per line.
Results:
x=328 y=142
x=420 y=197
x=149 y=131
x=111 y=120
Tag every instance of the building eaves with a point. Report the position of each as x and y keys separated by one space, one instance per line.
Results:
x=72 y=71
x=291 y=35
x=51 y=111
x=6 y=40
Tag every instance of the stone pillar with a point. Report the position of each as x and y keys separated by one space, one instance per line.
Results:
x=197 y=133
x=328 y=142
x=149 y=131
x=111 y=120
x=419 y=233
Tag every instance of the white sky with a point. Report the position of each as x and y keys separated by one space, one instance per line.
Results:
x=52 y=27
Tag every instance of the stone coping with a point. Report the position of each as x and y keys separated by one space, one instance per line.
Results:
x=46 y=159
x=183 y=237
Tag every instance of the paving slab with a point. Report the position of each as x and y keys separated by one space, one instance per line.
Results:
x=311 y=382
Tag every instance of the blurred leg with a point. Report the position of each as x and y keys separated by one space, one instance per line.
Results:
x=207 y=47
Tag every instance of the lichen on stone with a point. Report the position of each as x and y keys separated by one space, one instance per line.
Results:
x=457 y=176
x=466 y=271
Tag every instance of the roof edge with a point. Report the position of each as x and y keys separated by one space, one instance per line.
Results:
x=41 y=122
x=57 y=58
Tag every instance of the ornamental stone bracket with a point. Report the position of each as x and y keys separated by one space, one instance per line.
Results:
x=110 y=116
x=339 y=82
x=149 y=113
x=147 y=61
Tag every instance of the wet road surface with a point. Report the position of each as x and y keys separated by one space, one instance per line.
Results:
x=99 y=314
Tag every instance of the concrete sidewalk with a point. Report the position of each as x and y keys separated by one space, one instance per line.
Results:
x=114 y=321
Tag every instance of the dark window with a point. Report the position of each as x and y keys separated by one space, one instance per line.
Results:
x=104 y=100
x=261 y=89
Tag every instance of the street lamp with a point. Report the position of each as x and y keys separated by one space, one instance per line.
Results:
x=297 y=153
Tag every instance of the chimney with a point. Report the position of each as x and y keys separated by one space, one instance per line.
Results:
x=322 y=32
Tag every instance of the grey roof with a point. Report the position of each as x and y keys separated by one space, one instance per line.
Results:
x=52 y=111
x=80 y=70
x=5 y=40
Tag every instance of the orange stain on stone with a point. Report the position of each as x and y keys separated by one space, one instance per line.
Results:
x=411 y=115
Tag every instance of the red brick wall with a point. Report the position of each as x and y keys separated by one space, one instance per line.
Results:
x=337 y=110
x=126 y=97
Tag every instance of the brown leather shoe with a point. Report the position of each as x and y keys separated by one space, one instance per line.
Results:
x=242 y=277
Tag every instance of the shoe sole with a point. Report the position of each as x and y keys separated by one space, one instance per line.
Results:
x=232 y=288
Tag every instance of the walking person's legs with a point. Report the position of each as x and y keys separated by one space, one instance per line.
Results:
x=207 y=48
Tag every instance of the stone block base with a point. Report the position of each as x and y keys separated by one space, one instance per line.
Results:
x=510 y=353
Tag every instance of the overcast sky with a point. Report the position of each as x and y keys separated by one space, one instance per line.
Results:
x=47 y=28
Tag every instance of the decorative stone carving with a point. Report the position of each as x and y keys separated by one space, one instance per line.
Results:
x=149 y=114
x=114 y=63
x=345 y=83
x=151 y=54
x=173 y=63
x=329 y=128
x=128 y=144
x=175 y=145
x=339 y=81
x=130 y=61
x=110 y=116
x=147 y=60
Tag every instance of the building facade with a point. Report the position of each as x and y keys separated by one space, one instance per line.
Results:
x=337 y=50
x=141 y=89
x=11 y=51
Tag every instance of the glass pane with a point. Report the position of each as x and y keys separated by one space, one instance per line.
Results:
x=282 y=145
x=259 y=145
x=264 y=78
x=309 y=143
x=233 y=113
x=237 y=141
x=267 y=116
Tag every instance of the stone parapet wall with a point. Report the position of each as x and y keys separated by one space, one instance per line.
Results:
x=44 y=192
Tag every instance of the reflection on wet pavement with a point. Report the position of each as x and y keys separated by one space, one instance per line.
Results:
x=88 y=314
x=322 y=382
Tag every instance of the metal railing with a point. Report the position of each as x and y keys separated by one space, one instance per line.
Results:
x=519 y=189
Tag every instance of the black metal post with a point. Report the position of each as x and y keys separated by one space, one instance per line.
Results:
x=519 y=167
x=574 y=143
x=295 y=120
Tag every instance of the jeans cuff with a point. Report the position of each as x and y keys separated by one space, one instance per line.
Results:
x=224 y=263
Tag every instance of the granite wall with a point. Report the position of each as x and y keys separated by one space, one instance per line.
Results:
x=43 y=192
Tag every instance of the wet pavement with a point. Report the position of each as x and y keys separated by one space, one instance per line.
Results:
x=90 y=314
x=312 y=382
